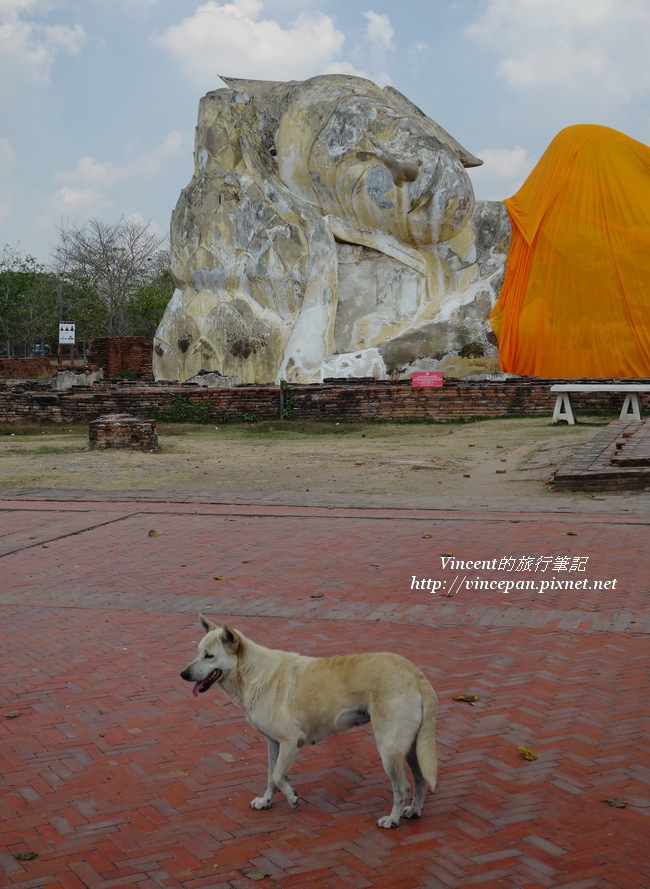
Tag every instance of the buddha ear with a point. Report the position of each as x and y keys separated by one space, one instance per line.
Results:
x=207 y=625
x=230 y=638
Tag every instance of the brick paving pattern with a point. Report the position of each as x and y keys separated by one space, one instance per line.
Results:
x=616 y=459
x=115 y=776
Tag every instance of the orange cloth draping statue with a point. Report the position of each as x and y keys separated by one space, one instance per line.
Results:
x=575 y=301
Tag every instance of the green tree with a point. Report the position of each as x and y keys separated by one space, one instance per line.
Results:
x=27 y=303
x=79 y=303
x=149 y=303
x=37 y=316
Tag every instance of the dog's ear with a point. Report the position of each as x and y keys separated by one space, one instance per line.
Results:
x=207 y=625
x=230 y=638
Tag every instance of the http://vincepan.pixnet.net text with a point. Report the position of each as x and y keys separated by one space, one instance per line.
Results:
x=505 y=574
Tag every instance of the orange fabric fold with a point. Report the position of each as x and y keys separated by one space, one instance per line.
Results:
x=575 y=300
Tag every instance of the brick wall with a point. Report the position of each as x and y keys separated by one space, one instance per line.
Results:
x=334 y=400
x=122 y=354
x=24 y=368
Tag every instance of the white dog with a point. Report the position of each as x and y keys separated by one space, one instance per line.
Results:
x=295 y=700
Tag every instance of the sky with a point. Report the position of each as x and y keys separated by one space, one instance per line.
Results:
x=99 y=98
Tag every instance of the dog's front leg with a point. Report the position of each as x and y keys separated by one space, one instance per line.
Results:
x=281 y=756
x=263 y=802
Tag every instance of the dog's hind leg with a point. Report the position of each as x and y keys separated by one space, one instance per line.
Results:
x=393 y=761
x=395 y=733
x=281 y=756
x=420 y=785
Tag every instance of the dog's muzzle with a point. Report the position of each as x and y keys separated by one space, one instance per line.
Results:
x=204 y=684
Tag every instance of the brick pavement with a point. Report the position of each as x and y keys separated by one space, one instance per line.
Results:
x=115 y=776
x=616 y=459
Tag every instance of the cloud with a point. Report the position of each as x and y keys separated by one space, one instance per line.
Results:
x=378 y=43
x=75 y=202
x=138 y=5
x=93 y=186
x=417 y=49
x=232 y=39
x=347 y=68
x=379 y=30
x=7 y=154
x=591 y=47
x=104 y=174
x=7 y=162
x=29 y=49
x=503 y=172
x=13 y=9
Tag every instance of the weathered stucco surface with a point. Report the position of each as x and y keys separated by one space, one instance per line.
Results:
x=329 y=230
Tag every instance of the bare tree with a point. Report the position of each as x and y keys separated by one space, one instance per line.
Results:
x=111 y=259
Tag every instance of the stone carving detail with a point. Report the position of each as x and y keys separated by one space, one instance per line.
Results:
x=329 y=230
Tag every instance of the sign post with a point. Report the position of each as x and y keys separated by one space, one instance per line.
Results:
x=66 y=338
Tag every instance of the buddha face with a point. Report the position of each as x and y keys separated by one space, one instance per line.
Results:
x=379 y=170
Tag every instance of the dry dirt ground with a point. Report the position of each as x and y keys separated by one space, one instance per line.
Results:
x=498 y=464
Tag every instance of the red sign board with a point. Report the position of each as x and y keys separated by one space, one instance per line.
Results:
x=432 y=379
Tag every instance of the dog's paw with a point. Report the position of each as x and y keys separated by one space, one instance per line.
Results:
x=260 y=802
x=387 y=821
x=410 y=812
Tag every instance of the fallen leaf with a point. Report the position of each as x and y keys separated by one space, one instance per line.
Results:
x=152 y=534
x=255 y=874
x=467 y=699
x=616 y=803
x=571 y=534
x=13 y=714
x=527 y=754
x=427 y=536
x=25 y=856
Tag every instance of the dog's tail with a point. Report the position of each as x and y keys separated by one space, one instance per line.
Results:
x=425 y=740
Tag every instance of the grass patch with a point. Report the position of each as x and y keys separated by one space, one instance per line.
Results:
x=39 y=451
x=296 y=430
x=270 y=429
x=33 y=430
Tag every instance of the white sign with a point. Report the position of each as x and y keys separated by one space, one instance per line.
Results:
x=66 y=333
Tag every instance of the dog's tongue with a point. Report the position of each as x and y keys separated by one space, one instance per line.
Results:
x=197 y=688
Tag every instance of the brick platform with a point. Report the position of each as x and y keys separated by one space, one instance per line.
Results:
x=616 y=459
x=116 y=777
x=122 y=431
